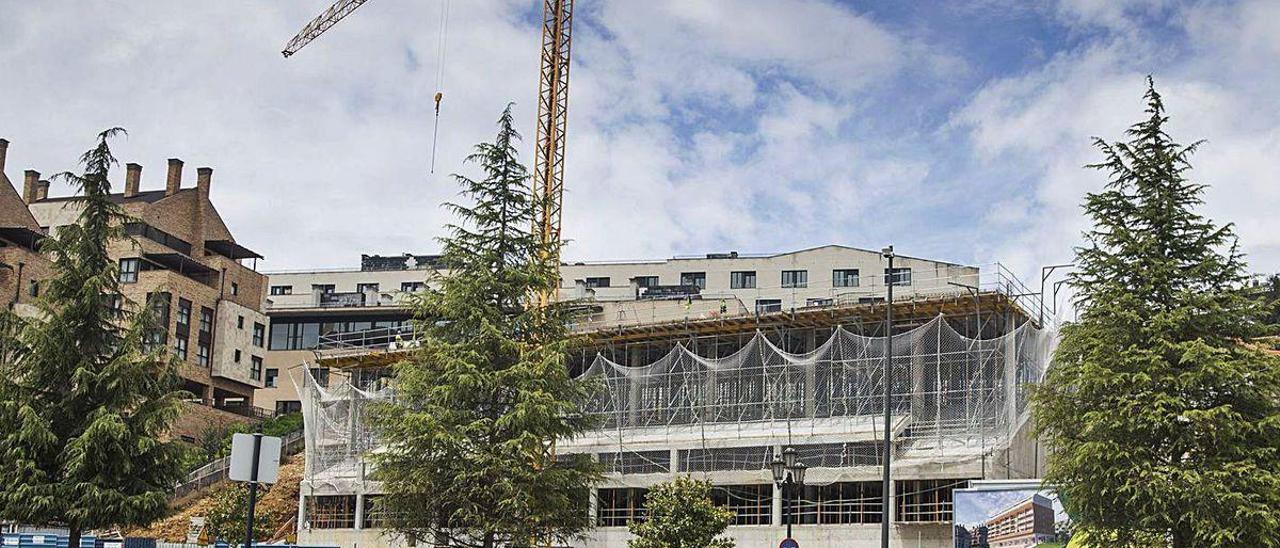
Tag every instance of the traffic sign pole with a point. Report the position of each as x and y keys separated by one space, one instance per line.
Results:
x=253 y=490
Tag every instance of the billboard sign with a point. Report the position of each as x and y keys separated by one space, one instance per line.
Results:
x=1008 y=514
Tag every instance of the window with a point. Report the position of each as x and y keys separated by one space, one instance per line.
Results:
x=321 y=375
x=237 y=356
x=235 y=288
x=698 y=279
x=180 y=347
x=926 y=501
x=602 y=281
x=259 y=334
x=899 y=276
x=331 y=512
x=645 y=281
x=272 y=375
x=819 y=302
x=411 y=287
x=751 y=504
x=372 y=286
x=33 y=288
x=184 y=314
x=744 y=279
x=206 y=320
x=795 y=278
x=157 y=337
x=619 y=506
x=202 y=354
x=294 y=336
x=117 y=304
x=323 y=288
x=768 y=305
x=844 y=277
x=129 y=270
x=284 y=407
x=239 y=322
x=281 y=290
x=255 y=367
x=838 y=503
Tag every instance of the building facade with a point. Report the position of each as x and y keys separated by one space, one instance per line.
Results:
x=182 y=257
x=1024 y=524
x=324 y=310
x=701 y=380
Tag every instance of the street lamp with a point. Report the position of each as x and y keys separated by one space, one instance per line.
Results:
x=891 y=279
x=788 y=472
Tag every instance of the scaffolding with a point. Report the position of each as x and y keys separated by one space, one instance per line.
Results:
x=955 y=396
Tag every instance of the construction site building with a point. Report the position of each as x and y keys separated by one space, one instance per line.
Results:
x=717 y=391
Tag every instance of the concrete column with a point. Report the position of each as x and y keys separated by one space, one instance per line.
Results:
x=359 y=510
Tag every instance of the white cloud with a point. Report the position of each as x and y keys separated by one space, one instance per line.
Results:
x=1040 y=121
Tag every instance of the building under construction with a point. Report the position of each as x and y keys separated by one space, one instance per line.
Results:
x=718 y=396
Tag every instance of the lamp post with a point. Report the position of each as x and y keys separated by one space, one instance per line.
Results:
x=891 y=278
x=788 y=472
x=1045 y=272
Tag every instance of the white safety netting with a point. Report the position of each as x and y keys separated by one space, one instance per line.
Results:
x=949 y=393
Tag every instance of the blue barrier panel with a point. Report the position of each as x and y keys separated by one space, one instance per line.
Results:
x=36 y=540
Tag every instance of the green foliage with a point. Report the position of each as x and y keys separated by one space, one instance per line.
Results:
x=469 y=454
x=84 y=402
x=1269 y=294
x=215 y=441
x=225 y=519
x=680 y=514
x=1165 y=421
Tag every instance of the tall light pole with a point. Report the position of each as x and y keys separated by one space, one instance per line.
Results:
x=788 y=472
x=891 y=278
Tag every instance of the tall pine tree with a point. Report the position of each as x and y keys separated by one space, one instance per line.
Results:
x=1165 y=422
x=469 y=454
x=84 y=403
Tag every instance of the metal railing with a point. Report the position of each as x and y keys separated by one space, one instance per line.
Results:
x=994 y=278
x=216 y=471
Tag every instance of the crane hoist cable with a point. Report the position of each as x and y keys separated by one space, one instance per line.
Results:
x=441 y=47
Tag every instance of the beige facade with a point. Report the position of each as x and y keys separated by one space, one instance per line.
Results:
x=180 y=256
x=315 y=309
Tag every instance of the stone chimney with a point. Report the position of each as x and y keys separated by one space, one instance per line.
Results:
x=31 y=178
x=4 y=151
x=132 y=178
x=204 y=175
x=42 y=190
x=174 y=181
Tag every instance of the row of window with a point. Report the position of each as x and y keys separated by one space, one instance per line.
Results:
x=407 y=287
x=839 y=503
x=131 y=266
x=746 y=279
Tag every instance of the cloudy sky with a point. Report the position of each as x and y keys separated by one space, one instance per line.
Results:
x=954 y=132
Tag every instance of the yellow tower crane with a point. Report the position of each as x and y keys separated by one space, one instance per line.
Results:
x=553 y=111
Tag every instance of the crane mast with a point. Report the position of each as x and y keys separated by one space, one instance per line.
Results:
x=553 y=113
x=553 y=117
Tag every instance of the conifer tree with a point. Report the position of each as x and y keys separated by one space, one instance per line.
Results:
x=468 y=455
x=680 y=514
x=85 y=403
x=1163 y=419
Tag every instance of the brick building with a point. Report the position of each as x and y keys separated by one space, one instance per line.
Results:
x=21 y=266
x=181 y=251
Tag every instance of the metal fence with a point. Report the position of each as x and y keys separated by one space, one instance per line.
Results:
x=216 y=471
